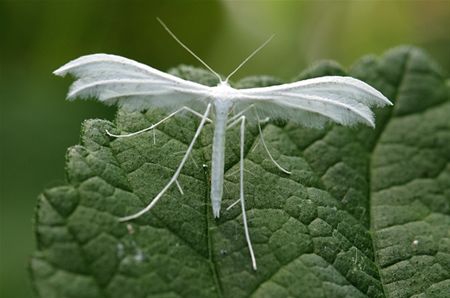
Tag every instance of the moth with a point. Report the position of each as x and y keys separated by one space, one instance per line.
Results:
x=136 y=87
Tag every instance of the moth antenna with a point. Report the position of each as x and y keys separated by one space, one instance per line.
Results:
x=187 y=49
x=249 y=57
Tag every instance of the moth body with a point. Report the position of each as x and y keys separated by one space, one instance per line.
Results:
x=222 y=107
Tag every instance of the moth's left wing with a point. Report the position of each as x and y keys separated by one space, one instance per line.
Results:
x=313 y=102
x=130 y=84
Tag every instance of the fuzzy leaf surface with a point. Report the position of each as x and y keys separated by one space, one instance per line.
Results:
x=365 y=213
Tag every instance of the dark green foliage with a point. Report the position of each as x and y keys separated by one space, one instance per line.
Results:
x=365 y=212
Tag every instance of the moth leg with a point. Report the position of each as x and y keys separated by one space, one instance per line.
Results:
x=158 y=123
x=179 y=187
x=267 y=149
x=234 y=121
x=190 y=156
x=241 y=195
x=255 y=146
x=177 y=172
x=238 y=115
x=233 y=204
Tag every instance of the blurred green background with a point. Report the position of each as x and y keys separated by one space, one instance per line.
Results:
x=37 y=124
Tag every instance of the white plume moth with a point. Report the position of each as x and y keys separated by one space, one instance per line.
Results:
x=136 y=87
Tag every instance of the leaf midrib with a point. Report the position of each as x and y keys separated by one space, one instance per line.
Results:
x=369 y=174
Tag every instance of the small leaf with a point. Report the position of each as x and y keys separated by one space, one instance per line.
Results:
x=365 y=212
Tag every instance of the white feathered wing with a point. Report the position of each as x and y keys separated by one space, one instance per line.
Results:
x=130 y=84
x=313 y=102
x=135 y=86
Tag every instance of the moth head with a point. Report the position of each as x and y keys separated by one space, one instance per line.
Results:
x=224 y=91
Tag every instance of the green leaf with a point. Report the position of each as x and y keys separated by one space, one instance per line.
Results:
x=364 y=213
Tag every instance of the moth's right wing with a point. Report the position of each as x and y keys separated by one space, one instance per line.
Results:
x=130 y=84
x=313 y=102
